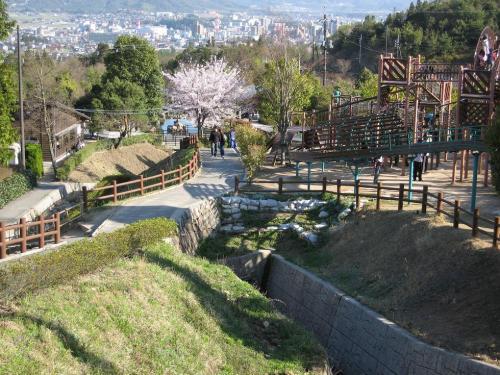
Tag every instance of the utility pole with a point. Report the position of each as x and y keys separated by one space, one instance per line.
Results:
x=325 y=24
x=386 y=38
x=21 y=104
x=360 y=42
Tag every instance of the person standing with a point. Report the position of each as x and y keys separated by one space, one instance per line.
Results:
x=418 y=164
x=379 y=162
x=232 y=138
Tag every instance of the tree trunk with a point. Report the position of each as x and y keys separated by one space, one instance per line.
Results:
x=123 y=133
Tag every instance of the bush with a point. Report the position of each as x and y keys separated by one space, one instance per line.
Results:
x=252 y=145
x=54 y=267
x=34 y=159
x=15 y=186
x=80 y=156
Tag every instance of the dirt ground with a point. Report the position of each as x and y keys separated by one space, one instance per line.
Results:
x=418 y=271
x=131 y=160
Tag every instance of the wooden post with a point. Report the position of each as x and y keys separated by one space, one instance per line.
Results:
x=424 y=199
x=85 y=198
x=339 y=187
x=142 y=184
x=401 y=196
x=280 y=185
x=115 y=192
x=439 y=207
x=496 y=230
x=357 y=186
x=466 y=171
x=379 y=191
x=3 y=242
x=462 y=166
x=179 y=173
x=456 y=214
x=486 y=168
x=23 y=234
x=41 y=242
x=162 y=177
x=324 y=185
x=236 y=185
x=454 y=168
x=57 y=223
x=475 y=222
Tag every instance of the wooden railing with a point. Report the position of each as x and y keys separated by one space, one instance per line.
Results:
x=142 y=185
x=422 y=197
x=29 y=234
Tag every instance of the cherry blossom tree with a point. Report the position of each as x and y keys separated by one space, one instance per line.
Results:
x=208 y=91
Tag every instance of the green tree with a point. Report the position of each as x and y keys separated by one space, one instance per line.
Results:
x=8 y=134
x=6 y=24
x=134 y=60
x=282 y=90
x=367 y=84
x=7 y=93
x=123 y=96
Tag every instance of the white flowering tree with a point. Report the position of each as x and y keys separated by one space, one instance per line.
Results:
x=210 y=91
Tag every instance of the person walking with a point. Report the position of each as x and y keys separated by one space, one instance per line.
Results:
x=223 y=140
x=214 y=141
x=418 y=164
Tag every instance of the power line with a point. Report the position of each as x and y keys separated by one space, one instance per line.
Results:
x=119 y=112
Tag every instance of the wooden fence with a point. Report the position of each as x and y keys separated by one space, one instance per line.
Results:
x=422 y=197
x=142 y=185
x=35 y=234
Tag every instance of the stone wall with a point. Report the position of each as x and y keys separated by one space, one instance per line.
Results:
x=197 y=223
x=358 y=340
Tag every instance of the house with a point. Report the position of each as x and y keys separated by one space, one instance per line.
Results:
x=66 y=124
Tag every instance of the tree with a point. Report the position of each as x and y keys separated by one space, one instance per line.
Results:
x=7 y=93
x=206 y=91
x=367 y=84
x=134 y=60
x=122 y=96
x=6 y=24
x=8 y=134
x=282 y=90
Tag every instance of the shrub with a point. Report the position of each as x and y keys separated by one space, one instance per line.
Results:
x=15 y=186
x=34 y=159
x=53 y=267
x=252 y=145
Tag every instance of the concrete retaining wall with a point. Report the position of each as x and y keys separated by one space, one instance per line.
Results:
x=197 y=223
x=358 y=340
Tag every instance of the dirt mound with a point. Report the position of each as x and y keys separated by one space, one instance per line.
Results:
x=417 y=270
x=131 y=160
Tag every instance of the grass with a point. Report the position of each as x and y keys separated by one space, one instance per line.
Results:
x=156 y=312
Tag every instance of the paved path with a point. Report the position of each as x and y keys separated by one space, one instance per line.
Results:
x=215 y=178
x=36 y=201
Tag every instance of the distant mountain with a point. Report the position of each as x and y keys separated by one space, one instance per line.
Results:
x=187 y=6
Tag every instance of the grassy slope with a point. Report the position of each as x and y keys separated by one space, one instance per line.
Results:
x=162 y=312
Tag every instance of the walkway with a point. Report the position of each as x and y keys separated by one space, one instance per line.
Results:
x=38 y=200
x=215 y=178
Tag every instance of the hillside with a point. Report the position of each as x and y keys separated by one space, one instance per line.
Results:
x=160 y=312
x=81 y=6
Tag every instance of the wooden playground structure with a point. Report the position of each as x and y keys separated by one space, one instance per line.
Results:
x=439 y=109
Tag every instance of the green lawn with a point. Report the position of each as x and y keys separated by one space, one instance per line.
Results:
x=155 y=313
